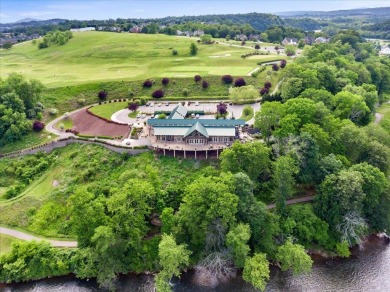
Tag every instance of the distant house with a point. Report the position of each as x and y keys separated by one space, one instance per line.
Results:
x=385 y=51
x=82 y=29
x=290 y=41
x=136 y=29
x=198 y=32
x=308 y=40
x=109 y=28
x=188 y=33
x=321 y=40
x=254 y=37
x=179 y=32
x=241 y=37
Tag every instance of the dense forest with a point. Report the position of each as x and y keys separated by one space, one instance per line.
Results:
x=163 y=215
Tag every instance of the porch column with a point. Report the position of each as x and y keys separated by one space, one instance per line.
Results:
x=195 y=153
x=164 y=151
x=206 y=154
x=184 y=153
x=174 y=152
x=217 y=153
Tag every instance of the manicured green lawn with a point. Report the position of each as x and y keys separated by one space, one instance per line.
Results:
x=108 y=109
x=66 y=122
x=247 y=113
x=133 y=114
x=102 y=56
x=30 y=139
x=6 y=242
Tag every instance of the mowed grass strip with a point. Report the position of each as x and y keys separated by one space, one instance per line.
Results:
x=6 y=243
x=103 y=56
x=108 y=109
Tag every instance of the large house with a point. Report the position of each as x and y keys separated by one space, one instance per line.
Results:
x=290 y=41
x=176 y=128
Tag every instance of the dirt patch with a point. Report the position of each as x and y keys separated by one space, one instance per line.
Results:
x=87 y=124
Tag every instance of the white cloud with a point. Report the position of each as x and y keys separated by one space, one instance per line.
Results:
x=139 y=10
x=2 y=15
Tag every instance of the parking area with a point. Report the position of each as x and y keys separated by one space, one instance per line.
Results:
x=146 y=111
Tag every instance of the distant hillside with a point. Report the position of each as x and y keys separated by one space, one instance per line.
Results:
x=26 y=20
x=380 y=11
x=259 y=21
x=383 y=26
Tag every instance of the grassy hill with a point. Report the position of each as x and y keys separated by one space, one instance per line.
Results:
x=103 y=56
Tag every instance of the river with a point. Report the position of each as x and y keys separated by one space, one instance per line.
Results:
x=365 y=270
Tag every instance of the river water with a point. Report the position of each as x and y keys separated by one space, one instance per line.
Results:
x=365 y=270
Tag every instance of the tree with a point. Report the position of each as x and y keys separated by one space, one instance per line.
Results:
x=133 y=106
x=147 y=83
x=206 y=39
x=227 y=79
x=205 y=84
x=264 y=91
x=236 y=241
x=102 y=95
x=173 y=258
x=338 y=195
x=257 y=47
x=38 y=126
x=351 y=106
x=193 y=49
x=293 y=257
x=275 y=67
x=197 y=78
x=284 y=182
x=222 y=108
x=244 y=93
x=159 y=93
x=7 y=46
x=175 y=52
x=251 y=158
x=239 y=82
x=291 y=88
x=267 y=119
x=165 y=81
x=205 y=200
x=290 y=50
x=283 y=63
x=256 y=271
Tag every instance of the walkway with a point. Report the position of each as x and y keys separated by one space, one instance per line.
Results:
x=29 y=237
x=294 y=201
x=378 y=118
x=59 y=243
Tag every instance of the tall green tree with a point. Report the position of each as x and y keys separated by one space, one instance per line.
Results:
x=236 y=241
x=293 y=257
x=256 y=271
x=193 y=49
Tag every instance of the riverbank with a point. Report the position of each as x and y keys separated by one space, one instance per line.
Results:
x=366 y=269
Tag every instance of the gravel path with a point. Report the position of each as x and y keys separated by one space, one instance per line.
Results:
x=378 y=118
x=28 y=237
x=294 y=201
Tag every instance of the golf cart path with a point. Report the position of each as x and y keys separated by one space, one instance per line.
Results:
x=29 y=237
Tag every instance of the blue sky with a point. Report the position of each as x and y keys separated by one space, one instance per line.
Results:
x=13 y=10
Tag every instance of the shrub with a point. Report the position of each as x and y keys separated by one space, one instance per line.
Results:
x=175 y=52
x=243 y=43
x=205 y=84
x=185 y=91
x=81 y=101
x=197 y=78
x=227 y=79
x=147 y=83
x=142 y=101
x=264 y=91
x=275 y=67
x=289 y=54
x=53 y=111
x=38 y=126
x=276 y=48
x=283 y=63
x=257 y=47
x=133 y=106
x=222 y=108
x=131 y=94
x=159 y=93
x=267 y=84
x=102 y=95
x=162 y=116
x=239 y=82
x=165 y=81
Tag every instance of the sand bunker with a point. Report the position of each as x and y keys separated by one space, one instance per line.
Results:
x=220 y=56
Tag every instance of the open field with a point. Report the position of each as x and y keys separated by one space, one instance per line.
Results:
x=103 y=56
x=107 y=110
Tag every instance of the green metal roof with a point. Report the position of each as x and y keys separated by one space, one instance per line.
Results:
x=197 y=127
x=179 y=112
x=190 y=122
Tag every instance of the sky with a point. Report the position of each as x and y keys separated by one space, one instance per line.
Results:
x=13 y=10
